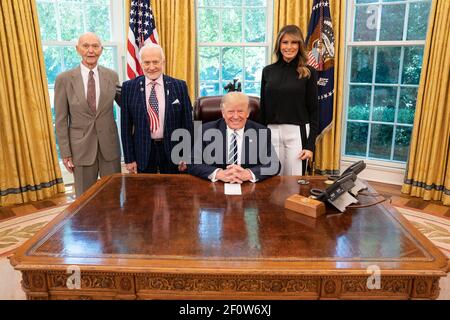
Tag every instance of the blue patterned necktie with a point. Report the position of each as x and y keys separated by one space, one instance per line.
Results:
x=233 y=150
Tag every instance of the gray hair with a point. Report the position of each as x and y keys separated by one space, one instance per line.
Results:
x=151 y=45
x=234 y=96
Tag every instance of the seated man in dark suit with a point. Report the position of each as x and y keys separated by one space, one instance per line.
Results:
x=234 y=149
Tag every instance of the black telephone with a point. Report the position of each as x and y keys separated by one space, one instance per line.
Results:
x=342 y=185
x=356 y=167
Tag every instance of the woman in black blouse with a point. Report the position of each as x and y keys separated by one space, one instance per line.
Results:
x=289 y=104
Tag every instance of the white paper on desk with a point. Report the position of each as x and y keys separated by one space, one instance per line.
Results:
x=233 y=189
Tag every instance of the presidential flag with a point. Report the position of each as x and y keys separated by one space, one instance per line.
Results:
x=142 y=30
x=320 y=47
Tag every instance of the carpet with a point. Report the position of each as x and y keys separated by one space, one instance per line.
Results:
x=16 y=231
x=434 y=228
x=13 y=233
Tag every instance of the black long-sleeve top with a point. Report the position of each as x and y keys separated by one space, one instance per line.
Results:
x=286 y=99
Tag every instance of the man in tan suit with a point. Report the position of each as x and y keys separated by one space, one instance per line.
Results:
x=87 y=133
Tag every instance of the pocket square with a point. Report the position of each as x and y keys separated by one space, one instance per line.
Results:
x=176 y=102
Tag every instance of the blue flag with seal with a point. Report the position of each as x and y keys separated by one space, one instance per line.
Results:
x=320 y=47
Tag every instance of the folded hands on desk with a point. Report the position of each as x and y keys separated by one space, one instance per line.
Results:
x=234 y=174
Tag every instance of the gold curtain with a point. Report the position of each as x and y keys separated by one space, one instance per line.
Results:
x=298 y=12
x=175 y=23
x=428 y=170
x=29 y=168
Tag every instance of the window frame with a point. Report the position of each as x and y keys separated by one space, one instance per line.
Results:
x=395 y=166
x=267 y=44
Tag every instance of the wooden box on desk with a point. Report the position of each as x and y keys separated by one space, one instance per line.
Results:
x=307 y=206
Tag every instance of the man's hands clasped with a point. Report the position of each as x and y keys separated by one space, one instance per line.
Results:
x=234 y=174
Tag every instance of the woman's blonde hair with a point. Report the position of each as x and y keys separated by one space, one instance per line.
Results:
x=296 y=33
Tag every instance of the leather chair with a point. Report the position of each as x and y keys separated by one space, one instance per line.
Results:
x=208 y=108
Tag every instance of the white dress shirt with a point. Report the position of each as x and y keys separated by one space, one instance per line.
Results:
x=85 y=75
x=239 y=139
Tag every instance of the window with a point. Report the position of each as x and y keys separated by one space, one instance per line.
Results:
x=233 y=43
x=385 y=52
x=62 y=22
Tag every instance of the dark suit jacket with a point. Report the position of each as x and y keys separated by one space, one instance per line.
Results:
x=258 y=156
x=135 y=127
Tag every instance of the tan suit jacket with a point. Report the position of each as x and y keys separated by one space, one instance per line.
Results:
x=80 y=131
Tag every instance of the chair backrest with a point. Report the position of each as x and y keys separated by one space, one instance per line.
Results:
x=208 y=108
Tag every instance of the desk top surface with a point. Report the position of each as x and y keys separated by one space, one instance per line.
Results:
x=167 y=221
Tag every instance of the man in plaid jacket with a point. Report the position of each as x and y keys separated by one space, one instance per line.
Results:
x=153 y=106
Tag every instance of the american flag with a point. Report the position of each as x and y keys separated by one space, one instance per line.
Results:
x=153 y=110
x=142 y=30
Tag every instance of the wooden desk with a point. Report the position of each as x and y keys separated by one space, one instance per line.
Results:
x=164 y=236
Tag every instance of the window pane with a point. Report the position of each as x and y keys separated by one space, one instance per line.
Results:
x=402 y=141
x=208 y=26
x=255 y=2
x=407 y=105
x=95 y=14
x=239 y=22
x=208 y=2
x=71 y=58
x=231 y=25
x=388 y=61
x=107 y=59
x=53 y=62
x=232 y=63
x=255 y=59
x=106 y=2
x=365 y=24
x=359 y=102
x=232 y=3
x=384 y=101
x=356 y=141
x=412 y=65
x=209 y=89
x=209 y=62
x=366 y=1
x=255 y=25
x=392 y=20
x=71 y=20
x=418 y=20
x=252 y=88
x=362 y=64
x=381 y=141
x=51 y=94
x=47 y=20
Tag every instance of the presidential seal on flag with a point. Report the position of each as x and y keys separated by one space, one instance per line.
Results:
x=320 y=46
